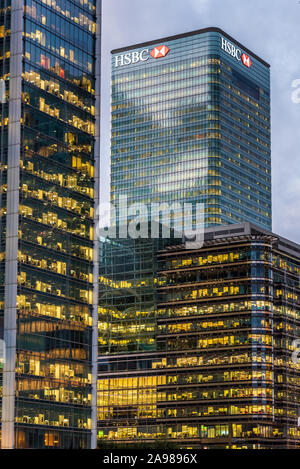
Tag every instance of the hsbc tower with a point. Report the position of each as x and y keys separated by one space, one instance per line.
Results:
x=191 y=123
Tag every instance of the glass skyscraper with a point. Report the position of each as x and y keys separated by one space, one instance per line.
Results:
x=191 y=123
x=50 y=62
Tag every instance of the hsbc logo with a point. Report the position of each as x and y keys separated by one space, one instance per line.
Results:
x=135 y=57
x=235 y=52
x=160 y=51
x=246 y=60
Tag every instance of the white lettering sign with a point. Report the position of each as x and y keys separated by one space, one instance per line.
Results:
x=131 y=58
x=232 y=50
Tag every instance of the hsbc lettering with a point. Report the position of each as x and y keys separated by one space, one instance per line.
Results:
x=235 y=52
x=134 y=57
x=231 y=49
x=131 y=58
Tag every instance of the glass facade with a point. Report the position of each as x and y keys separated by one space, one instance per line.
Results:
x=192 y=126
x=200 y=356
x=48 y=193
x=127 y=295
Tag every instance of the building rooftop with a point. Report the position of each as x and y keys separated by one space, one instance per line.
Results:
x=192 y=33
x=239 y=232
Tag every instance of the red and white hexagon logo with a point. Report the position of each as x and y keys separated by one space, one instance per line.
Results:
x=159 y=51
x=246 y=60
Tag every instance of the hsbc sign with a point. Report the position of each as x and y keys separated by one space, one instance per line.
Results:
x=142 y=56
x=161 y=51
x=131 y=58
x=235 y=52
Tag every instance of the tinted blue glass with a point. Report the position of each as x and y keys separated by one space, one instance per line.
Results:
x=193 y=126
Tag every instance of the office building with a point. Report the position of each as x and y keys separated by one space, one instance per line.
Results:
x=191 y=123
x=209 y=364
x=50 y=62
